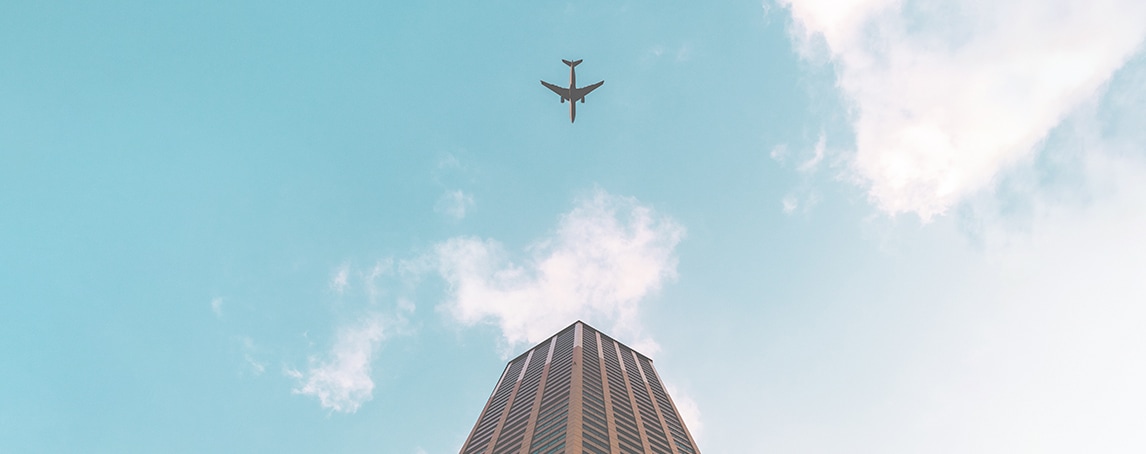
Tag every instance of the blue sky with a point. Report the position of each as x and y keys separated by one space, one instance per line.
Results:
x=872 y=225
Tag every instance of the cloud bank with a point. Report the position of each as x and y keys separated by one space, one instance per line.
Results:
x=1039 y=348
x=947 y=94
x=605 y=257
x=1031 y=340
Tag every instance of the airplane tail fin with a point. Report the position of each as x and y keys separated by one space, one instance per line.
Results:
x=572 y=63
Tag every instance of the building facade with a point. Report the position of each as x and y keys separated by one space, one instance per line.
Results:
x=580 y=391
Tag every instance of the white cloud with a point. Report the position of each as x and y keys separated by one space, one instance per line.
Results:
x=789 y=203
x=779 y=153
x=451 y=172
x=803 y=197
x=800 y=200
x=257 y=367
x=813 y=162
x=1063 y=350
x=341 y=279
x=1031 y=341
x=1055 y=358
x=381 y=269
x=606 y=256
x=341 y=380
x=947 y=94
x=449 y=162
x=454 y=204
x=684 y=53
x=217 y=306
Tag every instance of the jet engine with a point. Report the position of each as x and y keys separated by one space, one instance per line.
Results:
x=563 y=100
x=582 y=100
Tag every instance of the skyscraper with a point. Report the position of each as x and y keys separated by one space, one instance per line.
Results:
x=580 y=391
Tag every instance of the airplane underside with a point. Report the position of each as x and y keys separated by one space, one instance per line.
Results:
x=572 y=93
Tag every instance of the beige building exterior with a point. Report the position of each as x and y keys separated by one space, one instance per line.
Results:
x=580 y=391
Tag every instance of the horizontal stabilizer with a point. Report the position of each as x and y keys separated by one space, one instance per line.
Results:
x=571 y=63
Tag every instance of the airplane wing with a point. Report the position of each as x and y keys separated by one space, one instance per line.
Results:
x=561 y=91
x=581 y=92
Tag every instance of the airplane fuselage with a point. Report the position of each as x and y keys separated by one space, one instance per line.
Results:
x=572 y=85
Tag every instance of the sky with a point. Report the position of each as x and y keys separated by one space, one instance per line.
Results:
x=886 y=226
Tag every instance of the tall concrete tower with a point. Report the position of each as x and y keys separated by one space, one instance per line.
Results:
x=580 y=391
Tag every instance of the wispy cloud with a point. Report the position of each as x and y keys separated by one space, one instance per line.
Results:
x=817 y=157
x=800 y=200
x=452 y=176
x=217 y=306
x=789 y=203
x=340 y=281
x=381 y=269
x=803 y=197
x=779 y=153
x=605 y=257
x=679 y=54
x=341 y=380
x=946 y=95
x=250 y=350
x=454 y=204
x=449 y=162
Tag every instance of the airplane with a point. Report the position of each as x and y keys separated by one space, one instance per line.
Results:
x=572 y=94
